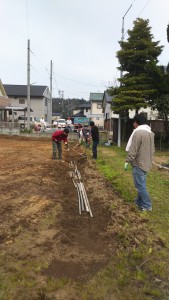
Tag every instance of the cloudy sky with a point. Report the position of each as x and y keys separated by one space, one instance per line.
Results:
x=79 y=36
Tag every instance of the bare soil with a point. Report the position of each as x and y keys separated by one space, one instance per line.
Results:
x=42 y=234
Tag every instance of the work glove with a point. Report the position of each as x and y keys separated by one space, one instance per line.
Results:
x=126 y=165
x=66 y=146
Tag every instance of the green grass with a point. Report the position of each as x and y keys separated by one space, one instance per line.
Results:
x=153 y=259
x=139 y=267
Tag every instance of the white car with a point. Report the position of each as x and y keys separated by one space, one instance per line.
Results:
x=34 y=121
x=61 y=123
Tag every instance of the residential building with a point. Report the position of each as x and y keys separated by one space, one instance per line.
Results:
x=4 y=102
x=96 y=114
x=92 y=109
x=40 y=101
x=111 y=119
x=83 y=109
x=107 y=112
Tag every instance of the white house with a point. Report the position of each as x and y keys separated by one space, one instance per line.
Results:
x=39 y=97
x=92 y=109
x=110 y=115
x=111 y=119
x=96 y=114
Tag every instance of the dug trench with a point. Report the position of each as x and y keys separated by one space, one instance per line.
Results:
x=42 y=234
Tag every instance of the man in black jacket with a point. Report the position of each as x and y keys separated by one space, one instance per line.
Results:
x=95 y=138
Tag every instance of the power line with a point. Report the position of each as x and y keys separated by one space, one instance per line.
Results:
x=144 y=7
x=83 y=83
x=139 y=12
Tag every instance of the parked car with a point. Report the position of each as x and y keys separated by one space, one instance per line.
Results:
x=61 y=123
x=34 y=121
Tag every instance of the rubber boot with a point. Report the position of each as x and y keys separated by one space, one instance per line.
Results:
x=54 y=155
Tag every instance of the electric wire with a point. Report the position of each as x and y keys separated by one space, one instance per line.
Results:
x=36 y=72
x=82 y=83
x=64 y=77
x=139 y=12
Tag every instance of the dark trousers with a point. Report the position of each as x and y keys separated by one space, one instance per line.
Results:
x=57 y=146
x=94 y=149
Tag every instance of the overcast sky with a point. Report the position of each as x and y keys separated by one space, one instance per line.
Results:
x=79 y=36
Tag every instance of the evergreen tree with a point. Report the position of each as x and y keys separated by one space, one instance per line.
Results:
x=138 y=60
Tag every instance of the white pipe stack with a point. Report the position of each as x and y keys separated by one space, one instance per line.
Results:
x=82 y=196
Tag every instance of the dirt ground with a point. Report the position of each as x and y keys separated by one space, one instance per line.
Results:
x=42 y=234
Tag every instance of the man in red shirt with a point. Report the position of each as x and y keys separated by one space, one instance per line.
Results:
x=57 y=138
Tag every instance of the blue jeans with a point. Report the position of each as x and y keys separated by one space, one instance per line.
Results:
x=143 y=200
x=94 y=149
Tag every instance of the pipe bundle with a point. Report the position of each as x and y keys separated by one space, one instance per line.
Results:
x=82 y=196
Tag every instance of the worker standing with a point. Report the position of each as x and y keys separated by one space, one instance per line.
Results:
x=69 y=123
x=42 y=121
x=95 y=138
x=86 y=136
x=140 y=150
x=57 y=138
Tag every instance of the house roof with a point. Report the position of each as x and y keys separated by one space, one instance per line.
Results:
x=21 y=90
x=56 y=114
x=96 y=96
x=107 y=97
x=79 y=114
x=85 y=105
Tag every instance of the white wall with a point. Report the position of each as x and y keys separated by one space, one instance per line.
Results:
x=151 y=114
x=97 y=115
x=37 y=105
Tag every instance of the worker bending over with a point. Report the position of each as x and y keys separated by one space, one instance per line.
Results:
x=57 y=138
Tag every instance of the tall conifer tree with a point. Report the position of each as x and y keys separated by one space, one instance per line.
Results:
x=138 y=60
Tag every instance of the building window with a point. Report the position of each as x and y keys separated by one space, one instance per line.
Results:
x=46 y=102
x=86 y=109
x=21 y=101
x=99 y=105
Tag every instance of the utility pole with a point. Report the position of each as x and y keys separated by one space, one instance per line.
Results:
x=61 y=93
x=121 y=75
x=68 y=107
x=28 y=86
x=50 y=106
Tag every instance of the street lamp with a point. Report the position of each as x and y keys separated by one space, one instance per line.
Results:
x=121 y=74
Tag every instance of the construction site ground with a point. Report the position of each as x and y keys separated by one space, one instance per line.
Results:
x=42 y=235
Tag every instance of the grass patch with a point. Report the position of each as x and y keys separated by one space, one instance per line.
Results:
x=151 y=260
